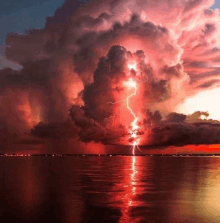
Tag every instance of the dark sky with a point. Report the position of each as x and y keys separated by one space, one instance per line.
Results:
x=18 y=16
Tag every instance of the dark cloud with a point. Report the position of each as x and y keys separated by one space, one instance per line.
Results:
x=55 y=130
x=64 y=12
x=106 y=95
x=179 y=129
x=91 y=130
x=152 y=117
x=209 y=84
x=176 y=117
x=183 y=133
x=176 y=70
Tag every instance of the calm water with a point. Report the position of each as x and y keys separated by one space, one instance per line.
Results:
x=110 y=189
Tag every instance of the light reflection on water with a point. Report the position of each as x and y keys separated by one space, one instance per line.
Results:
x=129 y=193
x=110 y=189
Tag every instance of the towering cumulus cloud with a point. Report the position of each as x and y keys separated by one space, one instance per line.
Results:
x=95 y=71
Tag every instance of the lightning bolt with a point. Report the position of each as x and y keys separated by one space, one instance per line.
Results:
x=134 y=125
x=132 y=83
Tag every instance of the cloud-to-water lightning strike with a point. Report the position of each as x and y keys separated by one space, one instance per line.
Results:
x=134 y=125
x=134 y=129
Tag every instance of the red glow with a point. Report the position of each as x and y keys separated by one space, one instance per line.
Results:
x=130 y=84
x=132 y=66
x=130 y=190
x=30 y=116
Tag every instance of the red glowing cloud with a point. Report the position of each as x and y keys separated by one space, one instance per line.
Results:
x=111 y=72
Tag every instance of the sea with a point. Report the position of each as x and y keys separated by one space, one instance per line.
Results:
x=111 y=189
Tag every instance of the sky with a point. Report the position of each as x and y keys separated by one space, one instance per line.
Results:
x=19 y=16
x=110 y=73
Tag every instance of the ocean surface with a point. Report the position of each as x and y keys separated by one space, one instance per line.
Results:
x=110 y=189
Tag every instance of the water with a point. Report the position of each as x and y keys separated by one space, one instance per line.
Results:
x=110 y=189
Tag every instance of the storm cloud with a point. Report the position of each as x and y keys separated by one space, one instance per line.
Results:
x=74 y=72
